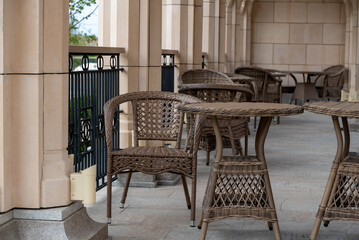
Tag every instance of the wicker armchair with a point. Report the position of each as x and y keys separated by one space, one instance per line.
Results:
x=269 y=88
x=155 y=117
x=232 y=129
x=332 y=82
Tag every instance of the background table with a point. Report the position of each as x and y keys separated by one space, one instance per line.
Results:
x=240 y=186
x=305 y=90
x=341 y=197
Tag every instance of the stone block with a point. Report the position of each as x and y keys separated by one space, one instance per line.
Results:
x=70 y=222
x=167 y=179
x=139 y=180
x=50 y=214
x=290 y=12
x=324 y=12
x=262 y=53
x=289 y=54
x=262 y=12
x=306 y=33
x=270 y=33
x=334 y=34
x=323 y=54
x=5 y=217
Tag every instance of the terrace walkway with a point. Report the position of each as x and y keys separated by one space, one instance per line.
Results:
x=299 y=154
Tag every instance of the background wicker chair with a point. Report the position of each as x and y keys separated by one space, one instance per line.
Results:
x=331 y=82
x=196 y=76
x=268 y=88
x=232 y=129
x=155 y=117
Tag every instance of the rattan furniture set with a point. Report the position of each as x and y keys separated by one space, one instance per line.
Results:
x=239 y=185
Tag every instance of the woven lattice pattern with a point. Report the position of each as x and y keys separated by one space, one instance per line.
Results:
x=344 y=201
x=152 y=160
x=209 y=95
x=157 y=118
x=240 y=190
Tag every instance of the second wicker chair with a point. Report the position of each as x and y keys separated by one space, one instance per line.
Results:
x=232 y=129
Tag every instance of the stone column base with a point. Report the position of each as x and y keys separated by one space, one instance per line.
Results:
x=70 y=222
x=150 y=181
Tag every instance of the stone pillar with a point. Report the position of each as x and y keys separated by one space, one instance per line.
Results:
x=245 y=33
x=233 y=35
x=136 y=26
x=352 y=55
x=34 y=166
x=183 y=29
x=214 y=12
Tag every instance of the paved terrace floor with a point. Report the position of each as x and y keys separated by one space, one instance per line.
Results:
x=299 y=154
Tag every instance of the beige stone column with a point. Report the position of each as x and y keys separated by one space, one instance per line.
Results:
x=136 y=26
x=183 y=32
x=233 y=35
x=214 y=39
x=352 y=41
x=34 y=166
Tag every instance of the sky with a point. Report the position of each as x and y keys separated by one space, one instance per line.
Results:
x=90 y=26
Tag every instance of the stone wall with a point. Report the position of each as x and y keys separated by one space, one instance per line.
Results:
x=297 y=35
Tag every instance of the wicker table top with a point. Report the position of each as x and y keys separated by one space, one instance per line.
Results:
x=340 y=109
x=245 y=109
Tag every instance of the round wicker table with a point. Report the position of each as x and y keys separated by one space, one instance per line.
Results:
x=239 y=186
x=340 y=200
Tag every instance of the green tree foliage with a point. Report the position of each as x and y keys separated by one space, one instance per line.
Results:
x=78 y=37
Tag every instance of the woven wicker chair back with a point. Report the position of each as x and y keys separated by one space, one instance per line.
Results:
x=219 y=92
x=319 y=81
x=203 y=76
x=264 y=80
x=155 y=115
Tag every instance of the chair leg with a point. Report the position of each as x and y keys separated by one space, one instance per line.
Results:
x=255 y=123
x=278 y=120
x=208 y=157
x=200 y=219
x=276 y=231
x=193 y=202
x=204 y=231
x=185 y=189
x=233 y=146
x=109 y=198
x=125 y=190
x=186 y=148
x=246 y=145
x=270 y=226
x=326 y=223
x=240 y=150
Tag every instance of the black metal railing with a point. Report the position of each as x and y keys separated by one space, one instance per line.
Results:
x=168 y=68
x=91 y=83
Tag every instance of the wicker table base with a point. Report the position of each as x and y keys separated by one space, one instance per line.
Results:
x=239 y=186
x=341 y=196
